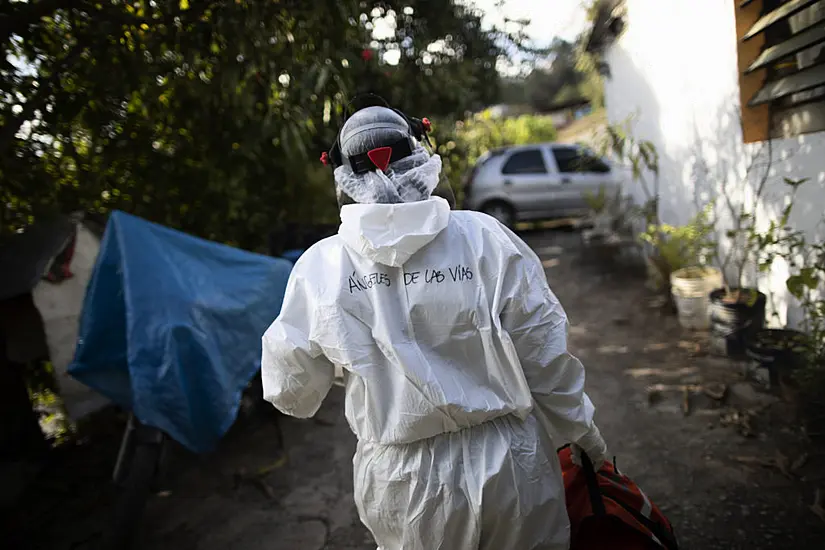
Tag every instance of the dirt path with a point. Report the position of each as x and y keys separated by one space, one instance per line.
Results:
x=687 y=464
x=690 y=465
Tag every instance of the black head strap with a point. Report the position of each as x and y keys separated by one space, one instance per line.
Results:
x=362 y=163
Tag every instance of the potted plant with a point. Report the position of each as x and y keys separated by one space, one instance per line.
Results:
x=775 y=354
x=678 y=265
x=807 y=284
x=737 y=312
x=690 y=286
x=778 y=351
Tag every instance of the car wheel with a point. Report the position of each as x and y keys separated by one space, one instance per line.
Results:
x=501 y=211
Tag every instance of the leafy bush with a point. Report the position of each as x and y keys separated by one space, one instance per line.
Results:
x=597 y=202
x=806 y=281
x=807 y=284
x=201 y=115
x=614 y=212
x=677 y=247
x=461 y=144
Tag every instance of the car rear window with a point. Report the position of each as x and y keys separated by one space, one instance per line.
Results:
x=528 y=161
x=574 y=159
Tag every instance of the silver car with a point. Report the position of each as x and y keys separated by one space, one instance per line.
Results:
x=540 y=181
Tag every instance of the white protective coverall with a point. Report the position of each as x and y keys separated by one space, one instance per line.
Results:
x=459 y=386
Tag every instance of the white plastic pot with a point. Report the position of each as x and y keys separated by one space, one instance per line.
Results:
x=691 y=288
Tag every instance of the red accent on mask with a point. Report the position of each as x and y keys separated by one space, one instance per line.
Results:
x=381 y=157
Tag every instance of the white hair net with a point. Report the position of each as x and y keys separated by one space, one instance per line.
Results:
x=410 y=179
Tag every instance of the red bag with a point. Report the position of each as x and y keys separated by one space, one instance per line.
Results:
x=609 y=511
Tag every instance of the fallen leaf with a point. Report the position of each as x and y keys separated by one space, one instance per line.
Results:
x=783 y=464
x=265 y=488
x=280 y=463
x=799 y=462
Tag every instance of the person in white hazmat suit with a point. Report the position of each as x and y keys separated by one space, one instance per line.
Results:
x=459 y=384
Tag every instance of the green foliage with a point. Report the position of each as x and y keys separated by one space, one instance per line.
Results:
x=44 y=394
x=545 y=88
x=463 y=143
x=806 y=281
x=447 y=58
x=779 y=238
x=195 y=117
x=589 y=57
x=678 y=247
x=204 y=116
x=761 y=247
x=641 y=156
x=665 y=246
x=571 y=75
x=591 y=81
x=614 y=214
x=807 y=284
x=597 y=202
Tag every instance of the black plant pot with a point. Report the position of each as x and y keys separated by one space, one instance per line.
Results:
x=775 y=354
x=733 y=323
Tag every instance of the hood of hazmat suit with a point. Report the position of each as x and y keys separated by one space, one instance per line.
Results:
x=459 y=385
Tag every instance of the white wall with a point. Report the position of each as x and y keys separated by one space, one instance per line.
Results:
x=674 y=69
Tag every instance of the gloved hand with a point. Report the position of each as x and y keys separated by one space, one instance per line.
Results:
x=593 y=445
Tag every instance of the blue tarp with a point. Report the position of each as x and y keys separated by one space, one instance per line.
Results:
x=171 y=327
x=293 y=254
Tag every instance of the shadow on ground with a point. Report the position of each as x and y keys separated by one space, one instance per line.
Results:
x=717 y=472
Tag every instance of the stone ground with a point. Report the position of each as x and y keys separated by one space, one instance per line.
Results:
x=729 y=475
